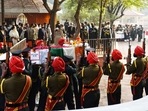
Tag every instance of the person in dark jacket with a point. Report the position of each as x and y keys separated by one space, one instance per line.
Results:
x=93 y=34
x=2 y=33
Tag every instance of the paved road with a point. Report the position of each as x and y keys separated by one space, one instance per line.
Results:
x=126 y=91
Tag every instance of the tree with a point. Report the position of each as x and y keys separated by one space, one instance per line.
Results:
x=102 y=4
x=82 y=4
x=52 y=12
x=116 y=8
x=77 y=17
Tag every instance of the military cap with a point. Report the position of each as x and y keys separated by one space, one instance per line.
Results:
x=67 y=58
x=16 y=53
x=26 y=50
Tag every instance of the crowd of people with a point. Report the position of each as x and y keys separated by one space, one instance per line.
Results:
x=61 y=81
x=130 y=31
x=90 y=31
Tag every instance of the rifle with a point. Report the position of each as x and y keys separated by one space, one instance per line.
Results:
x=83 y=53
x=129 y=59
x=107 y=55
x=7 y=51
x=143 y=45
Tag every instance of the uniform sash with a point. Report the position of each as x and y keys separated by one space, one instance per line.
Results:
x=113 y=84
x=25 y=90
x=145 y=73
x=50 y=103
x=21 y=97
x=93 y=83
x=135 y=80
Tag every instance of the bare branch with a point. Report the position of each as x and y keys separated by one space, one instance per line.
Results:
x=46 y=5
x=122 y=13
x=60 y=2
x=118 y=8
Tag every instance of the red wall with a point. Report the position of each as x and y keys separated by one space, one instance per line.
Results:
x=38 y=18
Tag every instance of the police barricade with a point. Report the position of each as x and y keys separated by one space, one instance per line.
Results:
x=102 y=44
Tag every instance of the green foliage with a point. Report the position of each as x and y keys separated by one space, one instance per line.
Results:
x=91 y=9
x=87 y=13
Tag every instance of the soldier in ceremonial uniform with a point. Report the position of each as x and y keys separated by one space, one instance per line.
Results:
x=82 y=62
x=91 y=76
x=136 y=69
x=57 y=85
x=16 y=88
x=115 y=72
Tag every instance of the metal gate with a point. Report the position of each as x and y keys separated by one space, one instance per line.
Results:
x=101 y=45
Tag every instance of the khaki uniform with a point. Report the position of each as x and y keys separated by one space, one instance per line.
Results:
x=136 y=69
x=56 y=84
x=91 y=76
x=115 y=72
x=13 y=88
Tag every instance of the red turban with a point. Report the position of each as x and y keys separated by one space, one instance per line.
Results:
x=116 y=54
x=16 y=64
x=61 y=41
x=139 y=51
x=58 y=64
x=39 y=42
x=92 y=58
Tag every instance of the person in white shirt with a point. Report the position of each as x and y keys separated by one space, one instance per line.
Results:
x=14 y=35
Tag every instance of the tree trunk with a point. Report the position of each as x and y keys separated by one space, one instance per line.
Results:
x=77 y=25
x=100 y=19
x=111 y=27
x=52 y=23
x=77 y=18
x=56 y=7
